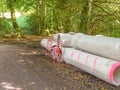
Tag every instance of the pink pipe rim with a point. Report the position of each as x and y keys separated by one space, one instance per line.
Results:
x=112 y=70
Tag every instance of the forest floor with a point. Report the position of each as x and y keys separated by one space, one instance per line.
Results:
x=23 y=66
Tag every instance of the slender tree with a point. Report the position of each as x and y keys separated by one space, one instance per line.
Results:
x=2 y=9
x=38 y=16
x=85 y=15
x=44 y=15
x=12 y=12
x=52 y=21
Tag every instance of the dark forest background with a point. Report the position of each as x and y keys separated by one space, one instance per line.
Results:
x=45 y=17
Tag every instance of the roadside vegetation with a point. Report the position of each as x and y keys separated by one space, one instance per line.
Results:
x=45 y=17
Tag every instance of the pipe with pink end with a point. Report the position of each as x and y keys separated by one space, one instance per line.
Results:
x=103 y=68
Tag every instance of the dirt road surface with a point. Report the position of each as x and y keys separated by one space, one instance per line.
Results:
x=23 y=66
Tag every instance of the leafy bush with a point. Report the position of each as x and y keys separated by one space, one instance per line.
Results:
x=5 y=27
x=30 y=24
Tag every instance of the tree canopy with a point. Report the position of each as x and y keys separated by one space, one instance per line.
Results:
x=53 y=16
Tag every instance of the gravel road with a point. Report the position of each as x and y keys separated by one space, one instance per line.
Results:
x=23 y=66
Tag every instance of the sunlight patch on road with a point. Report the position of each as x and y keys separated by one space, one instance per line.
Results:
x=31 y=83
x=30 y=53
x=21 y=60
x=12 y=49
x=9 y=86
x=30 y=62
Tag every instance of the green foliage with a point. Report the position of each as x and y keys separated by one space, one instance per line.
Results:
x=22 y=21
x=5 y=27
x=7 y=31
x=115 y=33
x=25 y=5
x=30 y=24
x=101 y=17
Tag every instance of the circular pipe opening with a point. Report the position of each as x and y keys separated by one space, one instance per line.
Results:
x=116 y=76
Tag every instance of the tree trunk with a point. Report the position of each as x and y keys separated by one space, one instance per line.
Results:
x=56 y=19
x=44 y=15
x=52 y=22
x=85 y=15
x=2 y=9
x=89 y=15
x=12 y=12
x=38 y=16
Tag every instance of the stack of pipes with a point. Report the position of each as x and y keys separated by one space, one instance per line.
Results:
x=98 y=55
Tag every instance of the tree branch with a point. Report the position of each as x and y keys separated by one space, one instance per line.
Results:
x=113 y=16
x=106 y=2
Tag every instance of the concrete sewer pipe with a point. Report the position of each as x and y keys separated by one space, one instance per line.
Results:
x=107 y=47
x=103 y=68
